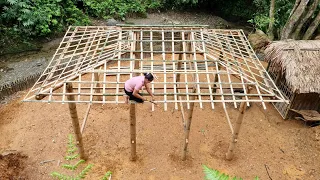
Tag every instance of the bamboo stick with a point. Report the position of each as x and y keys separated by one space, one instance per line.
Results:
x=85 y=118
x=97 y=89
x=75 y=121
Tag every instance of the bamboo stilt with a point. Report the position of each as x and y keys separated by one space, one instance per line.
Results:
x=133 y=156
x=75 y=121
x=216 y=77
x=85 y=118
x=97 y=90
x=188 y=125
x=242 y=109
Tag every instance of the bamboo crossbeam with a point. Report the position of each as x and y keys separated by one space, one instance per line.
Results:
x=184 y=48
x=164 y=73
x=207 y=70
x=162 y=25
x=158 y=101
x=165 y=51
x=158 y=88
x=174 y=67
x=187 y=83
x=152 y=58
x=163 y=94
x=196 y=75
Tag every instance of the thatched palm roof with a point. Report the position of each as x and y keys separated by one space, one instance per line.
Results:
x=299 y=61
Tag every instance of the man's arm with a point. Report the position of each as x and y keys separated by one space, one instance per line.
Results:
x=149 y=91
x=136 y=94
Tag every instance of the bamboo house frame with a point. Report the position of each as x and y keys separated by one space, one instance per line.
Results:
x=295 y=68
x=193 y=64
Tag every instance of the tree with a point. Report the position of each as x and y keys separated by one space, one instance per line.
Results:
x=294 y=18
x=300 y=16
x=271 y=22
x=313 y=26
x=305 y=18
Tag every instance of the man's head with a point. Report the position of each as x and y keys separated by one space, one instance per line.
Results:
x=148 y=76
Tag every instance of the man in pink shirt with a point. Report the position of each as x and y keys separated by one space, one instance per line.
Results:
x=134 y=85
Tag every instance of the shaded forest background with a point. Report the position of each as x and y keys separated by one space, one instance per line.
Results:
x=24 y=22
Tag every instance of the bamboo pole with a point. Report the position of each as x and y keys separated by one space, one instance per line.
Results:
x=97 y=90
x=75 y=121
x=188 y=125
x=242 y=109
x=85 y=118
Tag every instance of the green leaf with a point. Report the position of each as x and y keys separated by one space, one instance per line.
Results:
x=107 y=175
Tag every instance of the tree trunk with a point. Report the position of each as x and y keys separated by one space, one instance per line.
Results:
x=313 y=26
x=305 y=18
x=288 y=29
x=294 y=7
x=271 y=23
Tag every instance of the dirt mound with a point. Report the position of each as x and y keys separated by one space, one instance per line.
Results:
x=12 y=165
x=258 y=41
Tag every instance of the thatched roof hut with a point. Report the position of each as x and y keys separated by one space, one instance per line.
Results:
x=295 y=68
x=299 y=61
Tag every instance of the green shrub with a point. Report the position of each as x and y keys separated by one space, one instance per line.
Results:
x=41 y=17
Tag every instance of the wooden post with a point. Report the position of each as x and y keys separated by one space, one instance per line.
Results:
x=242 y=109
x=75 y=121
x=214 y=90
x=96 y=78
x=188 y=125
x=133 y=156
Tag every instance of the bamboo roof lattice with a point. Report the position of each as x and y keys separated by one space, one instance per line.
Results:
x=212 y=65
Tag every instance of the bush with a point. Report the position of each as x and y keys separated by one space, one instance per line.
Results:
x=118 y=8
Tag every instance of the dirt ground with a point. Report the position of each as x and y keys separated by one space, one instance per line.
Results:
x=288 y=149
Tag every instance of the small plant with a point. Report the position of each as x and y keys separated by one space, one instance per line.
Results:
x=71 y=156
x=212 y=174
x=107 y=176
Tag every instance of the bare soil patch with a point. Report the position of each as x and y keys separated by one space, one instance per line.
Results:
x=289 y=148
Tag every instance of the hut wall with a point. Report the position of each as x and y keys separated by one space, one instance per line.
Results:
x=280 y=81
x=307 y=101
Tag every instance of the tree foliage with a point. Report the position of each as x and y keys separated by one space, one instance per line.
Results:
x=41 y=18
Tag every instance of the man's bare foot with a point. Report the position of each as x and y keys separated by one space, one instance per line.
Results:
x=126 y=99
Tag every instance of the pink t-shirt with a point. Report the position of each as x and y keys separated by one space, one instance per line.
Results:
x=134 y=83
